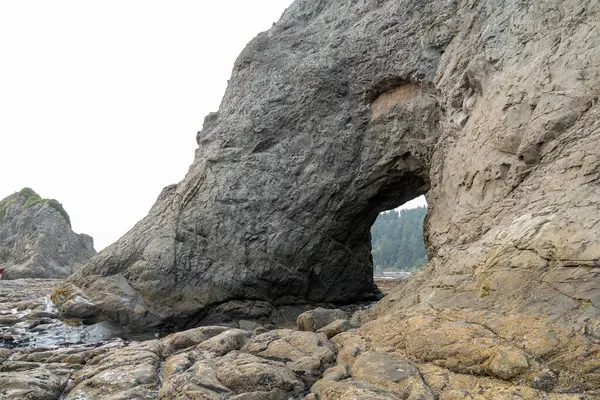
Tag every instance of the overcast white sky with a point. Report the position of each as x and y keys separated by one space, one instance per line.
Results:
x=100 y=102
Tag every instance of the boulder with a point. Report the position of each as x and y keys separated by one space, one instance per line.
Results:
x=334 y=328
x=307 y=354
x=232 y=376
x=190 y=337
x=130 y=372
x=257 y=378
x=316 y=319
x=225 y=342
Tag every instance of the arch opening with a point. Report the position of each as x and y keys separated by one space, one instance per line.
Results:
x=397 y=241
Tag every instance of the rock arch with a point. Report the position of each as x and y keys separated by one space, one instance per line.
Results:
x=289 y=175
x=346 y=108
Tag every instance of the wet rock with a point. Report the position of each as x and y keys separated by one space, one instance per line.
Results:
x=80 y=354
x=130 y=372
x=101 y=331
x=316 y=319
x=28 y=380
x=69 y=297
x=9 y=320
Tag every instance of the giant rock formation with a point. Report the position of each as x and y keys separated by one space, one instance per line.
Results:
x=347 y=108
x=36 y=239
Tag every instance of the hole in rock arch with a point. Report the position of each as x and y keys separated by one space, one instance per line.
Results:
x=397 y=244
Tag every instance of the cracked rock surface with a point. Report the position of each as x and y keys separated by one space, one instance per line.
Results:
x=346 y=108
x=450 y=355
x=36 y=239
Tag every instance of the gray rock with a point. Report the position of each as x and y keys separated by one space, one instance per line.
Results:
x=360 y=317
x=316 y=319
x=249 y=326
x=345 y=109
x=508 y=363
x=127 y=373
x=337 y=373
x=544 y=380
x=36 y=239
x=387 y=367
x=101 y=331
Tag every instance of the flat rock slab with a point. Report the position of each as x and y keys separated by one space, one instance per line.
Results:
x=386 y=367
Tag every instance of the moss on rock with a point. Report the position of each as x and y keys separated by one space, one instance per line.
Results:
x=31 y=198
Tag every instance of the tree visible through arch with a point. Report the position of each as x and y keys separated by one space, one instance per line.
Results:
x=397 y=240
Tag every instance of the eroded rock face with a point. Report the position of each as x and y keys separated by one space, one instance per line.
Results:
x=344 y=109
x=290 y=173
x=36 y=240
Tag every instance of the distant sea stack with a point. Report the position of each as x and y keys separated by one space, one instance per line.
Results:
x=36 y=239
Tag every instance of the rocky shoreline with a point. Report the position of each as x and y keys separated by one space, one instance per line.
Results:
x=329 y=354
x=44 y=356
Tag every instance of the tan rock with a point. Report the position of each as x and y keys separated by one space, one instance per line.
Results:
x=391 y=371
x=337 y=373
x=190 y=337
x=361 y=317
x=186 y=381
x=306 y=353
x=25 y=380
x=129 y=372
x=351 y=389
x=245 y=373
x=318 y=318
x=223 y=343
x=349 y=346
x=508 y=363
x=336 y=327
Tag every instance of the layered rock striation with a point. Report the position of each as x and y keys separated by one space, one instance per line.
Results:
x=36 y=239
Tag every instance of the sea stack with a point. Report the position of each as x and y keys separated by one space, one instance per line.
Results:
x=36 y=239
